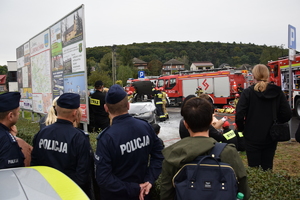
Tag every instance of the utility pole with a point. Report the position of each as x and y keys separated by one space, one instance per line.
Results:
x=114 y=70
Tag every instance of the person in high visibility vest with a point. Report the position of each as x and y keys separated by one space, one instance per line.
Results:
x=130 y=96
x=236 y=100
x=199 y=91
x=229 y=134
x=159 y=103
x=164 y=100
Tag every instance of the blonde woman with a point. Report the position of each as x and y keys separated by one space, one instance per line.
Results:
x=254 y=117
x=50 y=117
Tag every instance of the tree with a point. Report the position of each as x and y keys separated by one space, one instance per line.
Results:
x=106 y=62
x=154 y=67
x=123 y=73
x=126 y=57
x=100 y=75
x=3 y=69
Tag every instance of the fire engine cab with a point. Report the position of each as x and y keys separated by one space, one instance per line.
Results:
x=279 y=75
x=220 y=84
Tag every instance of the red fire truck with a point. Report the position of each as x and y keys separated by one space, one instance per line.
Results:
x=220 y=84
x=279 y=74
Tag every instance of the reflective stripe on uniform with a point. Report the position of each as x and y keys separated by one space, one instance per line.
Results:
x=240 y=134
x=229 y=135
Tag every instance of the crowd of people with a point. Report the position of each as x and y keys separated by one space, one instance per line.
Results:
x=130 y=156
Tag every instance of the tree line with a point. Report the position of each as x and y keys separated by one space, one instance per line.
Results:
x=99 y=59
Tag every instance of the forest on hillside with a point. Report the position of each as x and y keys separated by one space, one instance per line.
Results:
x=157 y=53
x=99 y=59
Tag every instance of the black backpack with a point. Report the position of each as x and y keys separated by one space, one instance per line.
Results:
x=206 y=178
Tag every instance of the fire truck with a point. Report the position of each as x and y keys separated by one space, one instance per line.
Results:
x=219 y=84
x=279 y=75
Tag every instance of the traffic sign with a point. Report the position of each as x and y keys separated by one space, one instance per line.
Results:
x=292 y=37
x=141 y=74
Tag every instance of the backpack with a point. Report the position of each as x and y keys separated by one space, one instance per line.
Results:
x=206 y=178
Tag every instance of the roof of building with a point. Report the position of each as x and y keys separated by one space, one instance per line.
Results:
x=202 y=64
x=2 y=79
x=138 y=61
x=173 y=62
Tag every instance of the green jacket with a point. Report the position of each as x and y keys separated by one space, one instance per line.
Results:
x=186 y=150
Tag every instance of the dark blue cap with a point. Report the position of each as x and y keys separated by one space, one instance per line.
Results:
x=69 y=101
x=9 y=101
x=115 y=94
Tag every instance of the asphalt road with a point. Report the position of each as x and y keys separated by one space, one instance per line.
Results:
x=169 y=131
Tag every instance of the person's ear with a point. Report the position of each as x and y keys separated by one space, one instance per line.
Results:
x=186 y=125
x=106 y=108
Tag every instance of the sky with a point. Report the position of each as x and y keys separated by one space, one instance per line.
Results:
x=108 y=22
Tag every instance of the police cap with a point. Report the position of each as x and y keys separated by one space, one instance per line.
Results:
x=115 y=94
x=9 y=101
x=69 y=101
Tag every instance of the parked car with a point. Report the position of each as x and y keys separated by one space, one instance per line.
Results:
x=36 y=183
x=143 y=106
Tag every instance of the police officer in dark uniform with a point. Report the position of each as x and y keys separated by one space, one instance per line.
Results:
x=64 y=147
x=97 y=112
x=123 y=151
x=10 y=152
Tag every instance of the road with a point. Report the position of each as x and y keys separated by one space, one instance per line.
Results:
x=169 y=131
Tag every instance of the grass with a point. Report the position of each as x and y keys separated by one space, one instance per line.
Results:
x=282 y=184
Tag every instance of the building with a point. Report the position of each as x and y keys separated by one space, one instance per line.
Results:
x=139 y=64
x=172 y=66
x=201 y=65
x=2 y=83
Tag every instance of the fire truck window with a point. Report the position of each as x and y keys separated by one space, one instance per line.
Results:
x=172 y=82
x=160 y=83
x=167 y=83
x=275 y=70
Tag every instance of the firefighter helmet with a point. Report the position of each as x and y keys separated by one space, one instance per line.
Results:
x=226 y=124
x=129 y=92
x=237 y=95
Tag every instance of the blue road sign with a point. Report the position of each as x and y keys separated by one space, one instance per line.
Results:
x=141 y=74
x=292 y=37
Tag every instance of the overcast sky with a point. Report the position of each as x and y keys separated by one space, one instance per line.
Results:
x=118 y=22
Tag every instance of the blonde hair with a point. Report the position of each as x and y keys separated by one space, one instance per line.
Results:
x=261 y=74
x=51 y=117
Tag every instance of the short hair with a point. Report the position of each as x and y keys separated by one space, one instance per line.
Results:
x=64 y=112
x=4 y=114
x=197 y=113
x=118 y=108
x=185 y=100
x=156 y=128
x=261 y=74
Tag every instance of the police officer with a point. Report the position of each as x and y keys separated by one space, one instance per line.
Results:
x=159 y=104
x=62 y=146
x=10 y=152
x=97 y=112
x=123 y=150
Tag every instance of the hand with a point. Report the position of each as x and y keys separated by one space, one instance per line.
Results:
x=145 y=189
x=14 y=130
